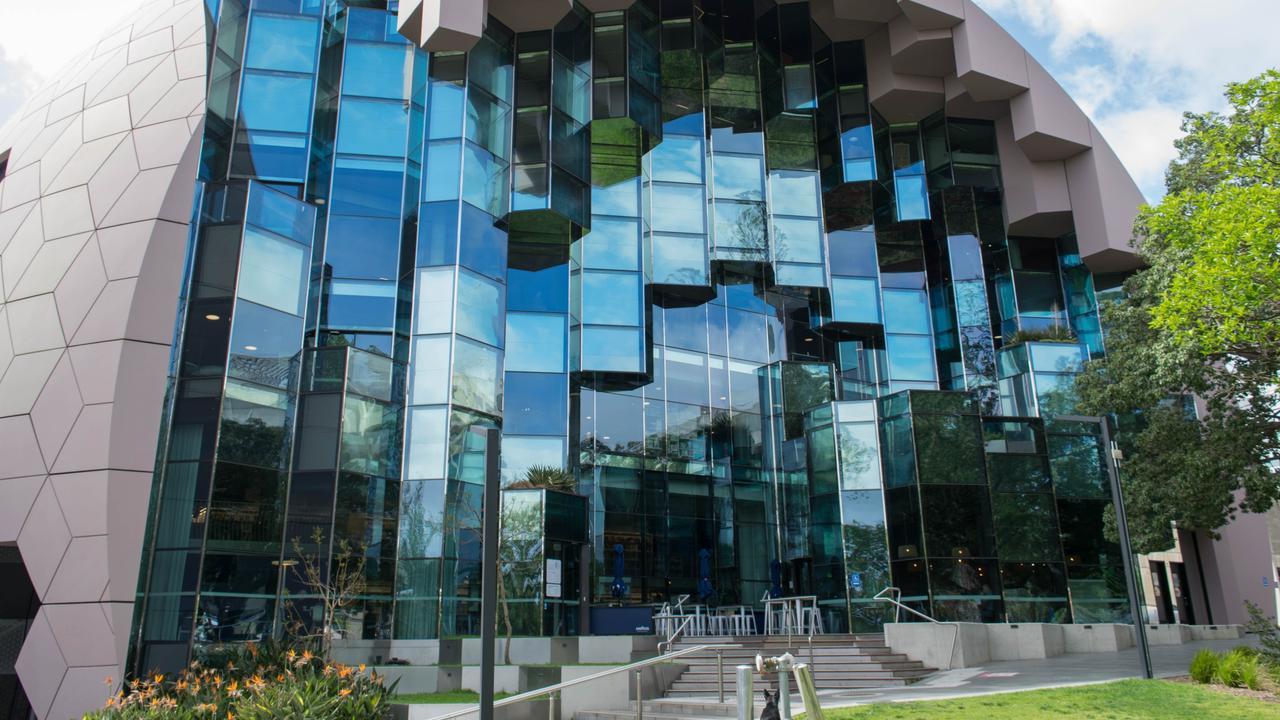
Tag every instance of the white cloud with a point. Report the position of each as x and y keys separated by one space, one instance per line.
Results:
x=38 y=38
x=17 y=82
x=1136 y=65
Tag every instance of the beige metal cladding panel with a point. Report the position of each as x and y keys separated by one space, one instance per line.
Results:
x=93 y=217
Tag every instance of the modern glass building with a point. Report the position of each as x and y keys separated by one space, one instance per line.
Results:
x=793 y=293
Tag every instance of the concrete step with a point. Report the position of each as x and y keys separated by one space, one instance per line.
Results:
x=819 y=656
x=826 y=669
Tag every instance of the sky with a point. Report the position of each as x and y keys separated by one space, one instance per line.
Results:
x=1134 y=65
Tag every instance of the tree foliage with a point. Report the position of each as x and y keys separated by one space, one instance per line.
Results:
x=1202 y=319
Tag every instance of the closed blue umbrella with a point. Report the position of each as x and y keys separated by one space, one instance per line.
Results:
x=705 y=589
x=619 y=587
x=775 y=579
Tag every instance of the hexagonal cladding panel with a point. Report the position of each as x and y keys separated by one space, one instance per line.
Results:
x=93 y=212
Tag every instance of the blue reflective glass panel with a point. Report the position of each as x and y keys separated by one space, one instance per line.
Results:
x=913 y=197
x=282 y=43
x=477 y=376
x=372 y=127
x=609 y=349
x=536 y=342
x=1057 y=357
x=794 y=192
x=859 y=156
x=797 y=240
x=480 y=308
x=361 y=305
x=482 y=246
x=611 y=298
x=612 y=244
x=855 y=300
x=275 y=102
x=543 y=288
x=444 y=111
x=376 y=70
x=443 y=171
x=484 y=180
x=679 y=259
x=678 y=159
x=273 y=271
x=367 y=186
x=738 y=177
x=534 y=404
x=852 y=252
x=363 y=247
x=906 y=311
x=621 y=198
x=521 y=453
x=910 y=357
x=678 y=208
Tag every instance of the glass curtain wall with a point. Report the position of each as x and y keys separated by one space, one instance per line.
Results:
x=781 y=344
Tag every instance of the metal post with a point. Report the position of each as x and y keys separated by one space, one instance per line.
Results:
x=720 y=673
x=639 y=697
x=551 y=706
x=1126 y=549
x=282 y=566
x=489 y=569
x=746 y=693
x=784 y=694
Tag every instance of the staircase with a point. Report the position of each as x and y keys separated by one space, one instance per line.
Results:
x=839 y=662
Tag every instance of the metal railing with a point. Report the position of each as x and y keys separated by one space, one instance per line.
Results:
x=674 y=634
x=552 y=690
x=894 y=595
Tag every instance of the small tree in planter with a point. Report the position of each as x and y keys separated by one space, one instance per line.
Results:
x=337 y=585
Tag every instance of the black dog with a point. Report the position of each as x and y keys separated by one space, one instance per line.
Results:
x=770 y=711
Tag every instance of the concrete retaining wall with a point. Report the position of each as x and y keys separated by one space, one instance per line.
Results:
x=959 y=645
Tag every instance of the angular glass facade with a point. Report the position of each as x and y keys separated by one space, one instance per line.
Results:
x=780 y=344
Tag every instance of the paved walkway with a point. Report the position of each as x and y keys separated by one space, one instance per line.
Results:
x=1019 y=675
x=988 y=679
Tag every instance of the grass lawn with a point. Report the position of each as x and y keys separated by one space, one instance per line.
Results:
x=1125 y=700
x=440 y=698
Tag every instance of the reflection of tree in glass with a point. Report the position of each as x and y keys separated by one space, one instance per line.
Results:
x=252 y=440
x=749 y=230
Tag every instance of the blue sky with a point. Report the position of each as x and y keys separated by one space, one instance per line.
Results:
x=1136 y=65
x=1133 y=65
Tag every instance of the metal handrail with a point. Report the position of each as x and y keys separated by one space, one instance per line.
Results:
x=531 y=694
x=897 y=593
x=671 y=637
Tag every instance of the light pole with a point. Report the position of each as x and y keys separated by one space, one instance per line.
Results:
x=489 y=570
x=1111 y=456
x=282 y=567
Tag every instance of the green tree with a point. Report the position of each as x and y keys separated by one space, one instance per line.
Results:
x=1202 y=319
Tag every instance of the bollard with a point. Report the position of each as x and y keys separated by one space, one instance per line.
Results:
x=808 y=692
x=551 y=707
x=784 y=694
x=746 y=693
x=720 y=674
x=639 y=698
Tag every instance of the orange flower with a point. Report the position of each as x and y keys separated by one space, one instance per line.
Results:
x=159 y=678
x=109 y=681
x=344 y=692
x=361 y=667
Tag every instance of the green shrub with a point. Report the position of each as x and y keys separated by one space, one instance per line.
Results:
x=1239 y=668
x=1204 y=666
x=251 y=682
x=1267 y=631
